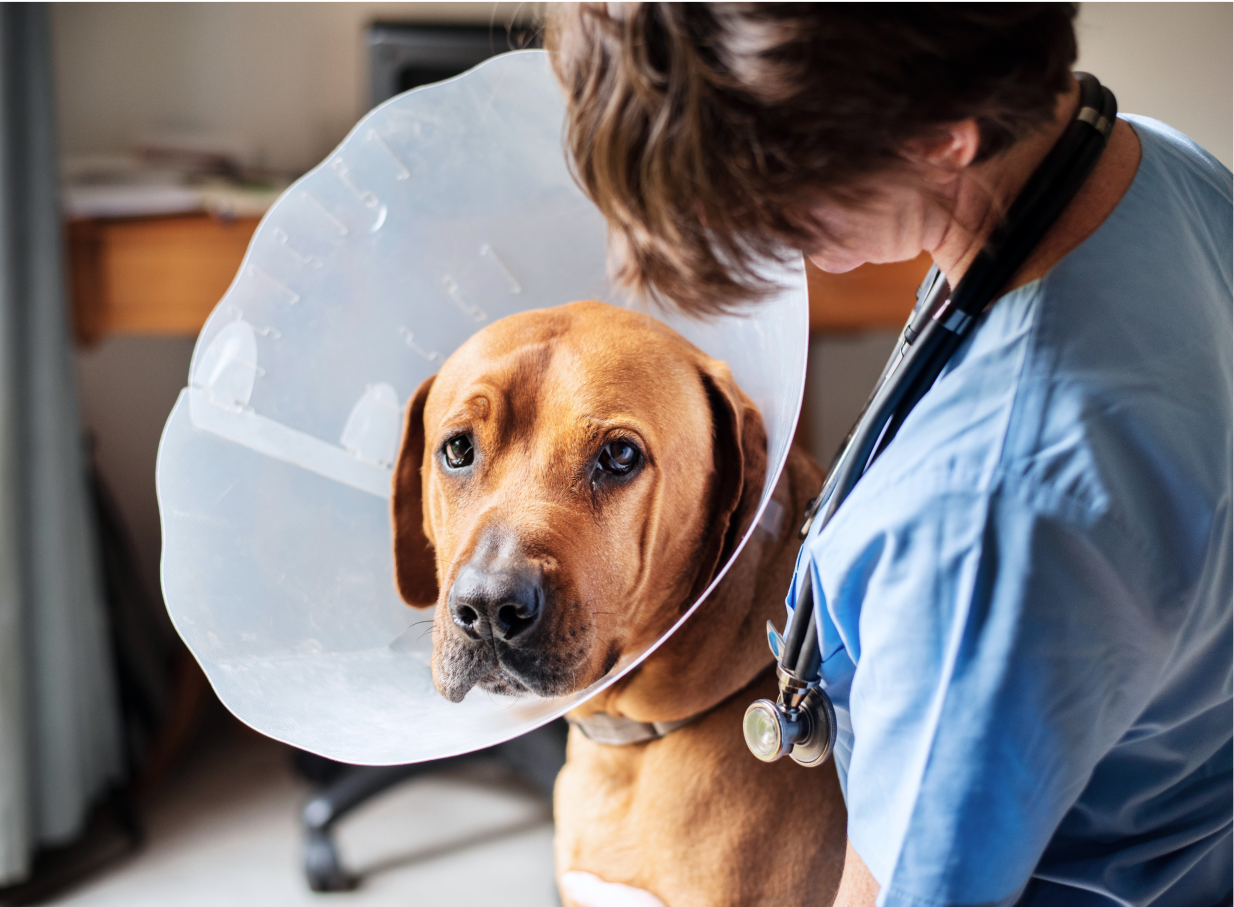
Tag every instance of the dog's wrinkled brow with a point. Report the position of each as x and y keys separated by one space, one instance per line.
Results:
x=478 y=405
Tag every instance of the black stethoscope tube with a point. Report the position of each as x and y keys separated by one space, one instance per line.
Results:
x=941 y=324
x=796 y=640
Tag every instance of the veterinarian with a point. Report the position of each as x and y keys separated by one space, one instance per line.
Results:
x=1025 y=604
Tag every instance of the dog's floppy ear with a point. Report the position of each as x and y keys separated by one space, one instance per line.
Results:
x=415 y=561
x=739 y=446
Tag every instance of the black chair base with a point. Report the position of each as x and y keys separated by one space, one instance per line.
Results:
x=537 y=756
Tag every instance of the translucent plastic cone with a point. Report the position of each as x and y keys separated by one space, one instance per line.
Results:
x=445 y=209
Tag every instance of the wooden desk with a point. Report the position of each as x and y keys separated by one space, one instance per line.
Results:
x=151 y=275
x=163 y=276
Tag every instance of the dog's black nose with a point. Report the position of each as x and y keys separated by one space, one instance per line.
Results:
x=501 y=603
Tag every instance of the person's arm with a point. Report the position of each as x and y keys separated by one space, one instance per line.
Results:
x=1003 y=648
x=857 y=887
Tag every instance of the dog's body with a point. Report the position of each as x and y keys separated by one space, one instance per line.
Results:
x=567 y=485
x=693 y=817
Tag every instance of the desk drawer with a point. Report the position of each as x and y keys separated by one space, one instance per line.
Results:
x=156 y=276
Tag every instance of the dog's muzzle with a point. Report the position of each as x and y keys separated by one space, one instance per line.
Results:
x=507 y=635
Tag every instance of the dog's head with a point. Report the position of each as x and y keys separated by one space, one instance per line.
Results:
x=566 y=485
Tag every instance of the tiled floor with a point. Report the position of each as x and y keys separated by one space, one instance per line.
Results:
x=225 y=833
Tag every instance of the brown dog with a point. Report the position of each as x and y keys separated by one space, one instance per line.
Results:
x=566 y=487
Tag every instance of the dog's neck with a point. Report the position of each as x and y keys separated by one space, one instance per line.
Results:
x=721 y=649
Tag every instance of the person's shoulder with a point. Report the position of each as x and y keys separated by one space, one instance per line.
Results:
x=1176 y=155
x=984 y=422
x=1115 y=364
x=1127 y=381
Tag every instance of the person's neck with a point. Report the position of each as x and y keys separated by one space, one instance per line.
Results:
x=984 y=191
x=993 y=186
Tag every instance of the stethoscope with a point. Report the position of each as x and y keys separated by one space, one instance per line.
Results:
x=801 y=723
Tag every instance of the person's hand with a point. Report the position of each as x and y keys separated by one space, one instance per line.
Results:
x=585 y=889
x=857 y=888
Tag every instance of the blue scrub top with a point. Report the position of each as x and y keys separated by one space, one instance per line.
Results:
x=1027 y=630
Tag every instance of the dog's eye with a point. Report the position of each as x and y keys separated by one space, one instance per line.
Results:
x=619 y=457
x=459 y=452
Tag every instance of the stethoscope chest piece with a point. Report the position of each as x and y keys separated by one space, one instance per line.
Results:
x=805 y=732
x=820 y=740
x=801 y=723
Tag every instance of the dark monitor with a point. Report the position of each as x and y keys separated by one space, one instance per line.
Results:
x=402 y=56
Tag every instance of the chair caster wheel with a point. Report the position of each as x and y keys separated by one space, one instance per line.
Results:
x=322 y=867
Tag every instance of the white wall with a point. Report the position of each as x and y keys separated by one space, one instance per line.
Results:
x=289 y=78
x=1170 y=61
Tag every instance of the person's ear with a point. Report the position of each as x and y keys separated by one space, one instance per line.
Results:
x=415 y=559
x=949 y=150
x=739 y=448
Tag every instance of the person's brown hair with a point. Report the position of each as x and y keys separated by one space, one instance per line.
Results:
x=701 y=130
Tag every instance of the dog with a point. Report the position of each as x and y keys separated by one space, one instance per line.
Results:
x=566 y=487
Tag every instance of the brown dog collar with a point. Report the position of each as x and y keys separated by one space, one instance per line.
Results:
x=616 y=730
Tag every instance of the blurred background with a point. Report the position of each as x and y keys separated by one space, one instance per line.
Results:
x=141 y=144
